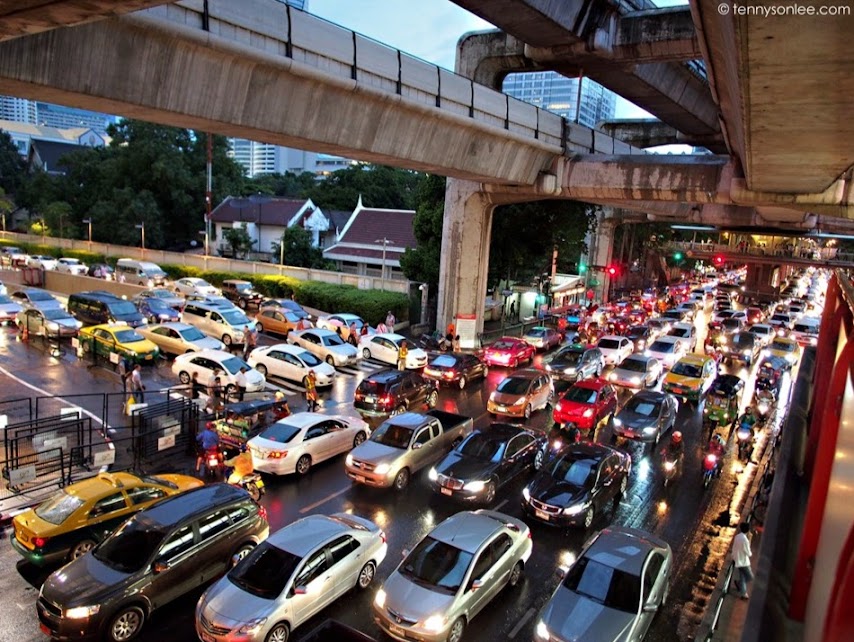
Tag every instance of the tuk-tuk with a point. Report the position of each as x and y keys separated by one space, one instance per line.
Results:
x=769 y=375
x=722 y=401
x=714 y=338
x=243 y=420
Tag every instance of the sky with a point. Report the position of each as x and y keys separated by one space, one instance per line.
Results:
x=427 y=29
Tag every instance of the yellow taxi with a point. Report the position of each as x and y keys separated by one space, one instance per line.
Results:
x=691 y=376
x=786 y=348
x=82 y=514
x=118 y=337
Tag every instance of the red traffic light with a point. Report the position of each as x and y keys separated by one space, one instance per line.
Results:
x=719 y=259
x=612 y=270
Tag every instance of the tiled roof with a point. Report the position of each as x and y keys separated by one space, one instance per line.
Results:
x=277 y=211
x=344 y=252
x=369 y=225
x=50 y=153
x=338 y=219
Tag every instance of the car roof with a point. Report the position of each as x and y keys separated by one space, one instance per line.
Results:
x=174 y=325
x=302 y=419
x=695 y=359
x=392 y=336
x=636 y=357
x=615 y=337
x=625 y=549
x=527 y=373
x=304 y=535
x=101 y=484
x=683 y=326
x=384 y=376
x=651 y=395
x=237 y=281
x=500 y=431
x=667 y=339
x=467 y=530
x=216 y=355
x=586 y=450
x=783 y=340
x=592 y=384
x=192 y=503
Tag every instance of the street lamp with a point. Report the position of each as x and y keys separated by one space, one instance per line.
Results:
x=384 y=241
x=141 y=228
x=88 y=222
x=43 y=229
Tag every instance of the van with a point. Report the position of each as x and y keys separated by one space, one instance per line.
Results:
x=97 y=307
x=160 y=554
x=139 y=273
x=220 y=321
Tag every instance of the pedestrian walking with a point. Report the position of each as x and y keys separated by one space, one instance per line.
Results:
x=240 y=382
x=137 y=388
x=512 y=310
x=402 y=353
x=212 y=380
x=455 y=343
x=250 y=340
x=390 y=321
x=741 y=557
x=215 y=404
x=311 y=391
x=353 y=333
x=124 y=370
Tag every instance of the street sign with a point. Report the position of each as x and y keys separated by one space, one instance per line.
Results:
x=18 y=476
x=104 y=458
x=165 y=442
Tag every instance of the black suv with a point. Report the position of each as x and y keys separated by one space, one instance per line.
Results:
x=242 y=293
x=156 y=556
x=392 y=392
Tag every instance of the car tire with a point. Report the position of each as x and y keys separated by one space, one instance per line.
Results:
x=184 y=377
x=359 y=438
x=624 y=484
x=80 y=549
x=516 y=574
x=303 y=465
x=260 y=367
x=241 y=552
x=125 y=624
x=366 y=354
x=259 y=327
x=588 y=517
x=462 y=382
x=279 y=633
x=432 y=399
x=401 y=480
x=455 y=634
x=489 y=493
x=241 y=303
x=330 y=360
x=528 y=411
x=226 y=339
x=366 y=576
x=540 y=458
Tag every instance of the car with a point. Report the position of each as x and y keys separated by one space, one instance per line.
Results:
x=486 y=461
x=106 y=338
x=211 y=299
x=195 y=285
x=805 y=331
x=724 y=313
x=686 y=333
x=614 y=348
x=68 y=265
x=50 y=323
x=659 y=326
x=732 y=326
x=796 y=309
x=101 y=271
x=754 y=315
x=542 y=338
x=287 y=304
x=646 y=417
x=575 y=362
x=179 y=338
x=675 y=315
x=343 y=321
x=276 y=321
x=509 y=352
x=392 y=392
x=451 y=575
x=641 y=336
x=8 y=254
x=242 y=293
x=620 y=580
x=159 y=554
x=577 y=484
x=586 y=404
x=764 y=332
x=166 y=296
x=784 y=347
x=41 y=261
x=297 y=442
x=155 y=310
x=781 y=323
x=636 y=372
x=326 y=345
x=521 y=393
x=297 y=572
x=204 y=362
x=36 y=298
x=689 y=308
x=292 y=363
x=228 y=324
x=741 y=346
x=691 y=376
x=75 y=518
x=9 y=309
x=667 y=349
x=455 y=369
x=385 y=347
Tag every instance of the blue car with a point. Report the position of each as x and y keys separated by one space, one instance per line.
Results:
x=155 y=311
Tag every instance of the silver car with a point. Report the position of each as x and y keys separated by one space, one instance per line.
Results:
x=451 y=575
x=646 y=417
x=637 y=371
x=298 y=571
x=612 y=592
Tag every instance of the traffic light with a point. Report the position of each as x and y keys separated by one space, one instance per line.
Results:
x=612 y=270
x=582 y=268
x=719 y=260
x=677 y=256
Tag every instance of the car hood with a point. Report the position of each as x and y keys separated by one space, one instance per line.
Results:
x=345 y=350
x=506 y=399
x=208 y=343
x=414 y=602
x=561 y=363
x=570 y=616
x=635 y=421
x=254 y=378
x=83 y=582
x=323 y=369
x=465 y=468
x=10 y=308
x=229 y=606
x=374 y=453
x=682 y=380
x=548 y=490
x=68 y=322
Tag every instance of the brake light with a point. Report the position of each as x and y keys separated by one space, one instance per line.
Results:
x=383 y=537
x=530 y=536
x=277 y=454
x=40 y=542
x=559 y=406
x=386 y=400
x=262 y=513
x=448 y=375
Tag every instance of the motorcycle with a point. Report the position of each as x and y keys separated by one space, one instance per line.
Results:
x=670 y=467
x=744 y=437
x=561 y=435
x=710 y=469
x=212 y=463
x=252 y=484
x=764 y=401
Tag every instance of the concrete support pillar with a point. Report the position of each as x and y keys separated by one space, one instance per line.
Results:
x=600 y=251
x=466 y=231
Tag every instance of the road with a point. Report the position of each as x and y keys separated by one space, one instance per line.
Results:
x=697 y=523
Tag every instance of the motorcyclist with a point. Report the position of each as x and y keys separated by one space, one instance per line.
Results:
x=207 y=441
x=675 y=449
x=717 y=447
x=568 y=433
x=281 y=408
x=241 y=465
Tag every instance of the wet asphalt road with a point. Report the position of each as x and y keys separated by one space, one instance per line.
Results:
x=693 y=520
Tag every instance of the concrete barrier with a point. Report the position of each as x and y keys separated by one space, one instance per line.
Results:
x=71 y=283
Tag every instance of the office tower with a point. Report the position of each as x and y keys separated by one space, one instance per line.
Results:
x=556 y=93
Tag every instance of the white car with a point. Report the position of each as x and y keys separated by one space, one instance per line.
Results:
x=205 y=361
x=781 y=323
x=290 y=362
x=71 y=266
x=686 y=333
x=615 y=348
x=689 y=308
x=9 y=309
x=764 y=331
x=295 y=443
x=41 y=261
x=326 y=345
x=719 y=315
x=668 y=350
x=386 y=347
x=195 y=285
x=343 y=321
x=178 y=338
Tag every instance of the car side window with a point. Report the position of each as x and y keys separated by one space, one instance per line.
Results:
x=333 y=426
x=108 y=504
x=311 y=338
x=342 y=547
x=315 y=432
x=213 y=524
x=312 y=569
x=482 y=565
x=179 y=542
x=500 y=546
x=144 y=494
x=422 y=437
x=238 y=513
x=650 y=575
x=435 y=431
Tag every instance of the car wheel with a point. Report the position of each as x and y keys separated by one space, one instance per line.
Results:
x=432 y=399
x=226 y=339
x=624 y=484
x=303 y=464
x=462 y=382
x=528 y=411
x=401 y=480
x=241 y=303
x=152 y=319
x=80 y=548
x=588 y=517
x=489 y=493
x=262 y=369
x=259 y=327
x=126 y=624
x=366 y=354
x=515 y=575
x=279 y=633
x=330 y=360
x=539 y=458
x=184 y=377
x=241 y=552
x=366 y=576
x=359 y=438
x=456 y=632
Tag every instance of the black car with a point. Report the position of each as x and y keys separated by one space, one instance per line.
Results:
x=392 y=392
x=576 y=484
x=287 y=304
x=645 y=417
x=486 y=460
x=576 y=362
x=455 y=369
x=640 y=335
x=742 y=346
x=156 y=556
x=242 y=293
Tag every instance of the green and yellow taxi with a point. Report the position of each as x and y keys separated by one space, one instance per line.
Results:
x=691 y=376
x=785 y=348
x=82 y=514
x=120 y=338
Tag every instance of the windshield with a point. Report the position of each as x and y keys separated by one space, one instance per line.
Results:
x=309 y=359
x=409 y=345
x=636 y=333
x=234 y=317
x=389 y=434
x=807 y=329
x=577 y=472
x=679 y=332
x=129 y=548
x=776 y=317
x=233 y=365
x=38 y=295
x=59 y=507
x=643 y=407
x=536 y=332
x=633 y=365
x=444 y=361
x=662 y=346
x=162 y=294
x=741 y=339
x=5 y=299
x=731 y=324
x=157 y=305
x=605 y=585
x=70 y=261
x=153 y=271
x=436 y=564
x=609 y=344
x=243 y=287
x=569 y=357
x=280 y=432
x=265 y=571
x=122 y=307
x=128 y=336
x=479 y=446
x=514 y=386
x=783 y=346
x=503 y=345
x=332 y=340
x=54 y=314
x=687 y=370
x=581 y=395
x=192 y=334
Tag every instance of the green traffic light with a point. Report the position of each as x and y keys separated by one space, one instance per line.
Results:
x=678 y=256
x=582 y=268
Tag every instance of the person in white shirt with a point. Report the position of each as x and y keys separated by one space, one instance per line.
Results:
x=240 y=382
x=741 y=557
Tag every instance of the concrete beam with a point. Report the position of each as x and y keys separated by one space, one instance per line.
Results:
x=656 y=35
x=651 y=132
x=486 y=57
x=25 y=17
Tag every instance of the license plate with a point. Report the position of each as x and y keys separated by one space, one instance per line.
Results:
x=500 y=408
x=396 y=630
x=370 y=399
x=628 y=433
x=447 y=491
x=540 y=514
x=206 y=638
x=359 y=478
x=148 y=357
x=44 y=629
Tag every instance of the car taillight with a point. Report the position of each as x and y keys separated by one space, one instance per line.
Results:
x=262 y=513
x=277 y=454
x=383 y=537
x=386 y=400
x=360 y=396
x=448 y=375
x=559 y=406
x=40 y=542
x=530 y=536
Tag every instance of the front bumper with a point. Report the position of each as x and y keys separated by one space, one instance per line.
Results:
x=404 y=631
x=682 y=391
x=552 y=519
x=57 y=627
x=509 y=411
x=635 y=435
x=583 y=423
x=457 y=494
x=369 y=478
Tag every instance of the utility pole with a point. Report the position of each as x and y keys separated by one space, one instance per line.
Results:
x=208 y=192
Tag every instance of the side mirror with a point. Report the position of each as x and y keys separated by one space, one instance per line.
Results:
x=159 y=567
x=477 y=584
x=417 y=446
x=404 y=552
x=300 y=590
x=650 y=607
x=561 y=572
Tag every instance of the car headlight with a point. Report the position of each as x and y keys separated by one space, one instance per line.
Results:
x=578 y=508
x=588 y=413
x=548 y=367
x=669 y=465
x=763 y=408
x=80 y=612
x=649 y=430
x=746 y=353
x=612 y=376
x=379 y=598
x=475 y=486
x=618 y=422
x=569 y=371
x=53 y=326
x=382 y=469
x=813 y=341
x=542 y=631
x=790 y=358
x=526 y=494
x=252 y=626
x=492 y=397
x=434 y=623
x=349 y=460
x=164 y=315
x=521 y=401
x=635 y=380
x=432 y=474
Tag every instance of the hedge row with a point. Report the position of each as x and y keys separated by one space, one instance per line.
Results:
x=371 y=305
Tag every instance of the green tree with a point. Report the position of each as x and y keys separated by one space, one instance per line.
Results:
x=299 y=250
x=378 y=185
x=421 y=263
x=13 y=169
x=287 y=185
x=57 y=216
x=238 y=240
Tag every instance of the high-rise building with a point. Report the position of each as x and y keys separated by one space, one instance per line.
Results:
x=299 y=4
x=19 y=110
x=23 y=110
x=556 y=93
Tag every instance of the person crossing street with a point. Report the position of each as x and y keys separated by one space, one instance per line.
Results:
x=311 y=391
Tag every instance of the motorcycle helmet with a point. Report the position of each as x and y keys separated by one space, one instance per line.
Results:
x=676 y=437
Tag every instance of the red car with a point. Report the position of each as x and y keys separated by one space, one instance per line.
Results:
x=755 y=315
x=586 y=403
x=509 y=352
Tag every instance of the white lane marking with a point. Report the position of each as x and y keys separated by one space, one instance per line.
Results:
x=501 y=505
x=528 y=615
x=274 y=388
x=320 y=502
x=47 y=394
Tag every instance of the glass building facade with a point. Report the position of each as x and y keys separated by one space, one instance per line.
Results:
x=558 y=94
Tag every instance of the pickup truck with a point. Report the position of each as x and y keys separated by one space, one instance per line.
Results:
x=404 y=444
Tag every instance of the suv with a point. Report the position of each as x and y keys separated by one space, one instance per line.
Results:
x=576 y=362
x=217 y=321
x=156 y=556
x=392 y=392
x=242 y=293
